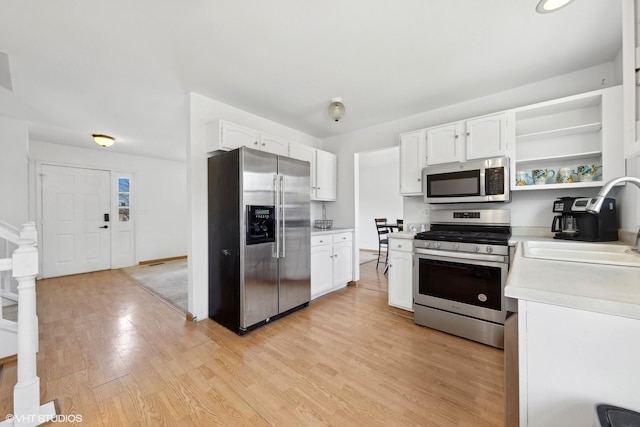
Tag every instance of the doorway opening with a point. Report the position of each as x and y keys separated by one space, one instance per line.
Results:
x=377 y=195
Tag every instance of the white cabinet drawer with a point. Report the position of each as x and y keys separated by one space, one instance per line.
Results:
x=400 y=245
x=321 y=240
x=342 y=237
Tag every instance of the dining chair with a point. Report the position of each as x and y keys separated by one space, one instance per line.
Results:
x=383 y=231
x=400 y=223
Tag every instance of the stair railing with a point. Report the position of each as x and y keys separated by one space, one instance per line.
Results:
x=27 y=410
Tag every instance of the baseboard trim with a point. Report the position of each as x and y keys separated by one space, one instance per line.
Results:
x=155 y=261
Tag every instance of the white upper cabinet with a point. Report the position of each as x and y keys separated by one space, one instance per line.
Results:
x=323 y=170
x=303 y=152
x=413 y=158
x=223 y=135
x=468 y=140
x=443 y=144
x=326 y=172
x=488 y=136
x=274 y=145
x=232 y=136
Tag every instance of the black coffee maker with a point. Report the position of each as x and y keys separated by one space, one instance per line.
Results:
x=575 y=223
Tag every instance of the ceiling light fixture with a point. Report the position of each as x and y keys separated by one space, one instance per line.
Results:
x=548 y=6
x=103 y=140
x=336 y=109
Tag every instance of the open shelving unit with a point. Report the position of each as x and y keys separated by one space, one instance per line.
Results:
x=566 y=133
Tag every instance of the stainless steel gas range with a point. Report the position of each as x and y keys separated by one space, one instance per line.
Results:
x=460 y=270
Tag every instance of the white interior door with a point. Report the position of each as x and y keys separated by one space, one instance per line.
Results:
x=75 y=233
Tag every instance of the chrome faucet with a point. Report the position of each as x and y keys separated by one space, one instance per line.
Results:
x=595 y=204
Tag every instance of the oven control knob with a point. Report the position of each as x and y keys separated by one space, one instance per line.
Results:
x=438 y=244
x=489 y=249
x=476 y=248
x=456 y=246
x=427 y=244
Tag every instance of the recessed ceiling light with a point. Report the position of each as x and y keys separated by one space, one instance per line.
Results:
x=548 y=6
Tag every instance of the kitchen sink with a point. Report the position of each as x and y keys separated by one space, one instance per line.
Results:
x=593 y=253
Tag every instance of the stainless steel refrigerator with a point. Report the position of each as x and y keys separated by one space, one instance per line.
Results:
x=259 y=237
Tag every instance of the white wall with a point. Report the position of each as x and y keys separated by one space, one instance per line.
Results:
x=14 y=144
x=527 y=209
x=14 y=162
x=203 y=110
x=379 y=181
x=160 y=194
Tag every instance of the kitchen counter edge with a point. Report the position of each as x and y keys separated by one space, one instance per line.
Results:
x=598 y=288
x=319 y=232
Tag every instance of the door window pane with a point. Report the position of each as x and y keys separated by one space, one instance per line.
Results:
x=123 y=214
x=124 y=199
x=123 y=185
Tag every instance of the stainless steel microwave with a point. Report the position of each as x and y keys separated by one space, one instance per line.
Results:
x=485 y=180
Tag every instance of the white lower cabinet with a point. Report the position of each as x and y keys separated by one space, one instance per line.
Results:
x=401 y=273
x=331 y=262
x=571 y=359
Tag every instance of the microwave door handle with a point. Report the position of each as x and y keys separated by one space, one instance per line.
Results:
x=483 y=177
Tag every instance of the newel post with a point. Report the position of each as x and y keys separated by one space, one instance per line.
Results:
x=26 y=393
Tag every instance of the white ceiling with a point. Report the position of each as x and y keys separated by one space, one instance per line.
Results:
x=124 y=67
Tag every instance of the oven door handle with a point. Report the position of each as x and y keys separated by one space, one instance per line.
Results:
x=463 y=256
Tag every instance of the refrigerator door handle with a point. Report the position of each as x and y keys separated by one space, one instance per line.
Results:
x=284 y=214
x=275 y=251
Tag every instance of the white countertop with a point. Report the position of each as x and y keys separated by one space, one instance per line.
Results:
x=593 y=287
x=319 y=232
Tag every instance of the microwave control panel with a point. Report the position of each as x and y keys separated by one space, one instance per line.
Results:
x=494 y=181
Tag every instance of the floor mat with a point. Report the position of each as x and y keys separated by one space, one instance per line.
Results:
x=167 y=279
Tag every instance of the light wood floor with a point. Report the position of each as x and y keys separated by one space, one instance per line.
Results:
x=115 y=354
